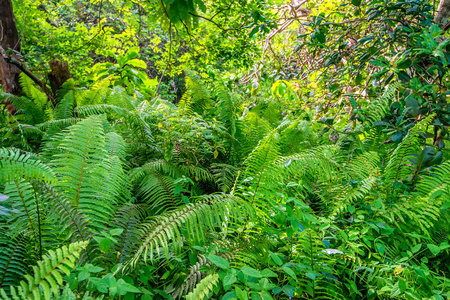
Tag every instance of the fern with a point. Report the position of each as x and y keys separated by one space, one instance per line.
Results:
x=90 y=179
x=115 y=145
x=119 y=98
x=254 y=129
x=224 y=176
x=261 y=157
x=156 y=182
x=30 y=90
x=13 y=258
x=227 y=110
x=47 y=278
x=32 y=112
x=362 y=175
x=15 y=165
x=73 y=223
x=195 y=99
x=65 y=107
x=99 y=109
x=319 y=281
x=83 y=151
x=194 y=276
x=209 y=211
x=159 y=165
x=436 y=183
x=97 y=93
x=128 y=217
x=58 y=125
x=377 y=110
x=22 y=198
x=396 y=167
x=296 y=137
x=158 y=192
x=204 y=289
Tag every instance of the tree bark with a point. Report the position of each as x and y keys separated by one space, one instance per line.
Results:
x=59 y=74
x=9 y=40
x=442 y=14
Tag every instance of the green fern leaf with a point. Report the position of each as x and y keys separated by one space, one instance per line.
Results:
x=209 y=212
x=15 y=165
x=47 y=275
x=204 y=289
x=13 y=259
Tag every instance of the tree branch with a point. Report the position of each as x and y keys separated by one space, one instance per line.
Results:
x=210 y=20
x=27 y=72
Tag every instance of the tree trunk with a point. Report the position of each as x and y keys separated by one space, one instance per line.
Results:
x=442 y=14
x=9 y=39
x=59 y=74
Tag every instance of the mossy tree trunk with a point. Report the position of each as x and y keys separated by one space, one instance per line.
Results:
x=9 y=41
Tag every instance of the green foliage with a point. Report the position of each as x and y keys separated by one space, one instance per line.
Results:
x=203 y=289
x=196 y=99
x=207 y=212
x=47 y=279
x=16 y=165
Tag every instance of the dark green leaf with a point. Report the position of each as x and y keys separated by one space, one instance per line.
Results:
x=218 y=261
x=249 y=271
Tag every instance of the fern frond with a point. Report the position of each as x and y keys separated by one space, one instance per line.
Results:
x=47 y=277
x=97 y=93
x=210 y=211
x=396 y=168
x=315 y=262
x=224 y=176
x=197 y=172
x=378 y=109
x=101 y=207
x=84 y=149
x=298 y=136
x=306 y=164
x=31 y=91
x=361 y=176
x=71 y=220
x=26 y=132
x=115 y=145
x=262 y=156
x=159 y=165
x=120 y=98
x=128 y=217
x=226 y=108
x=196 y=98
x=254 y=129
x=52 y=127
x=191 y=280
x=436 y=183
x=16 y=165
x=99 y=109
x=23 y=202
x=33 y=114
x=364 y=166
x=204 y=289
x=65 y=107
x=13 y=258
x=269 y=110
x=90 y=179
x=158 y=191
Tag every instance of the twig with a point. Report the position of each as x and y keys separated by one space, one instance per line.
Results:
x=222 y=10
x=27 y=72
x=211 y=20
x=168 y=62
x=342 y=132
